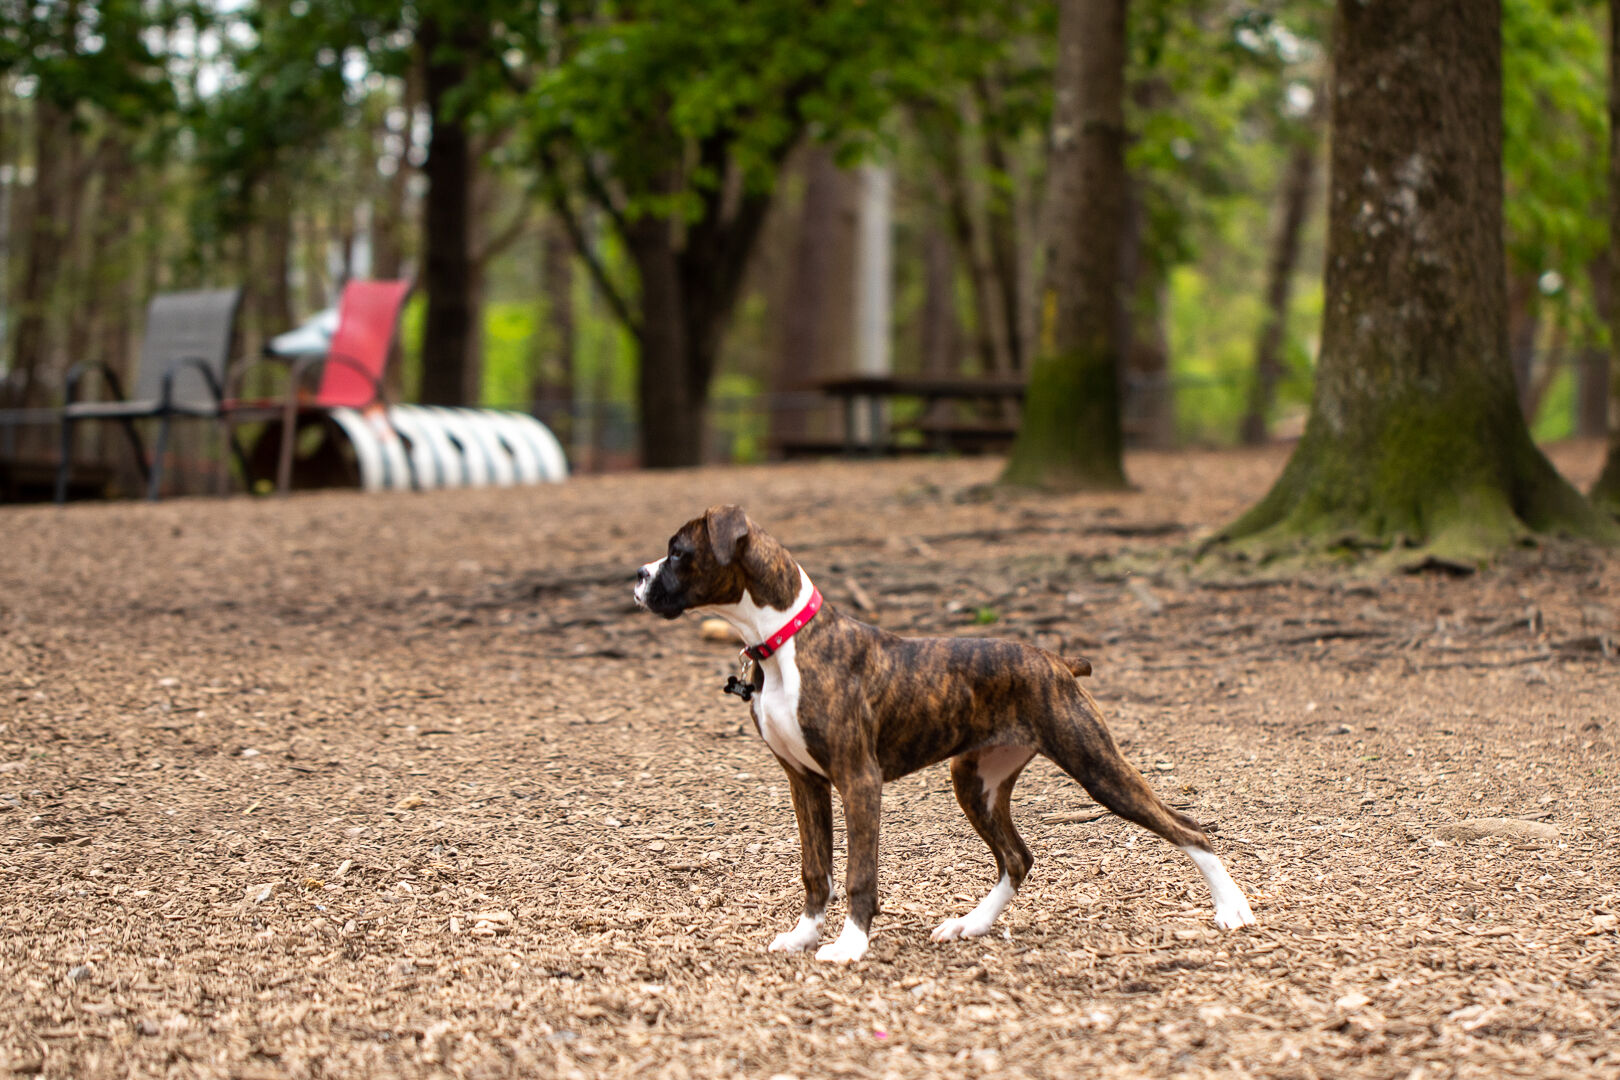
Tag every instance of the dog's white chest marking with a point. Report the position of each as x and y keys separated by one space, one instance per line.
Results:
x=778 y=710
x=777 y=706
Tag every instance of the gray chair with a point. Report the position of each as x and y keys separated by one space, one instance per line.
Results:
x=181 y=373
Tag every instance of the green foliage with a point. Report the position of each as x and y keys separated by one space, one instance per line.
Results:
x=90 y=54
x=508 y=360
x=1555 y=419
x=605 y=361
x=659 y=108
x=1554 y=161
x=508 y=329
x=284 y=93
x=1210 y=106
x=642 y=89
x=410 y=344
x=670 y=109
x=742 y=430
x=1212 y=330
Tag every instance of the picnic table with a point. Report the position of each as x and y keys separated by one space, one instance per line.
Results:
x=939 y=433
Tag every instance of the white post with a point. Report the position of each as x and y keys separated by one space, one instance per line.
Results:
x=359 y=256
x=874 y=258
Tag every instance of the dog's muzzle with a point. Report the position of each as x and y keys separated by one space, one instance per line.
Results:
x=644 y=578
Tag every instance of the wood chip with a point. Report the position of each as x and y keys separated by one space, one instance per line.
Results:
x=528 y=703
x=719 y=630
x=1479 y=828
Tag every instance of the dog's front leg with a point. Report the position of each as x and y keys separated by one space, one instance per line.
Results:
x=812 y=806
x=863 y=807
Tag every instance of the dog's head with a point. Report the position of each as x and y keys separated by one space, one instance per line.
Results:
x=712 y=560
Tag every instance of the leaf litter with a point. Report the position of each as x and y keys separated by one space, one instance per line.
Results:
x=498 y=823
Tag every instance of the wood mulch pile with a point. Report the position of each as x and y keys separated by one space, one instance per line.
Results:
x=344 y=786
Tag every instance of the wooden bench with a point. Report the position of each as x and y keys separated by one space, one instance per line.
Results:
x=938 y=433
x=794 y=449
x=964 y=436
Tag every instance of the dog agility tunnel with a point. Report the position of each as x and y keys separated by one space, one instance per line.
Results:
x=423 y=447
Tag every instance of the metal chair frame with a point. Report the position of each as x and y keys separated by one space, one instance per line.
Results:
x=151 y=471
x=291 y=406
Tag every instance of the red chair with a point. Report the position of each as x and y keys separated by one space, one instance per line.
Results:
x=351 y=371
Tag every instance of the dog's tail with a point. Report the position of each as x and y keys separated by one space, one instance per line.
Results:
x=1078 y=666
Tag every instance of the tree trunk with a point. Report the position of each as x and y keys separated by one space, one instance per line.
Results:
x=672 y=398
x=1147 y=396
x=939 y=337
x=1606 y=492
x=388 y=216
x=1592 y=361
x=1541 y=376
x=1298 y=180
x=942 y=137
x=245 y=256
x=111 y=293
x=313 y=244
x=1070 y=437
x=1415 y=435
x=80 y=262
x=276 y=302
x=691 y=272
x=1524 y=327
x=995 y=353
x=1592 y=393
x=816 y=318
x=54 y=163
x=448 y=273
x=553 y=366
x=1149 y=405
x=1001 y=228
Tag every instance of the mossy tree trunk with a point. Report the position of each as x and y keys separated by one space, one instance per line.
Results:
x=1415 y=436
x=1070 y=437
x=1606 y=492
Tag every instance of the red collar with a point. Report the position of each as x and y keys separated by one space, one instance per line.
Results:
x=761 y=651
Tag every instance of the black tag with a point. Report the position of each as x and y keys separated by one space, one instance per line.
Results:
x=734 y=685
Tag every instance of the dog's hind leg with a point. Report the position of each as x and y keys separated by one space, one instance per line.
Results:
x=812 y=806
x=1077 y=740
x=984 y=781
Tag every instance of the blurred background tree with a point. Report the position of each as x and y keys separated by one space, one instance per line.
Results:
x=1416 y=436
x=641 y=218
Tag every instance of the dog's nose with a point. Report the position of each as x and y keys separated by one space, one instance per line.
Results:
x=642 y=575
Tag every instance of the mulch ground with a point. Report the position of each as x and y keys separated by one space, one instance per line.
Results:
x=344 y=786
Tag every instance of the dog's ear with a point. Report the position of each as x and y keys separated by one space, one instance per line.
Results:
x=727 y=527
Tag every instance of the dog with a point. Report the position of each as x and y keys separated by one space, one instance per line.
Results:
x=849 y=706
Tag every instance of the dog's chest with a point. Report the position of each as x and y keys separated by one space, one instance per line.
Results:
x=776 y=711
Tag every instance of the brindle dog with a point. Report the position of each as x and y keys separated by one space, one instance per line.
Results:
x=846 y=705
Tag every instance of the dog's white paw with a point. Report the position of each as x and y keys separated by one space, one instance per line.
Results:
x=850 y=946
x=978 y=922
x=804 y=934
x=1231 y=906
x=1230 y=916
x=965 y=927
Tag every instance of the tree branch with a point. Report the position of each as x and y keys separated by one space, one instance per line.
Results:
x=505 y=237
x=558 y=198
x=598 y=189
